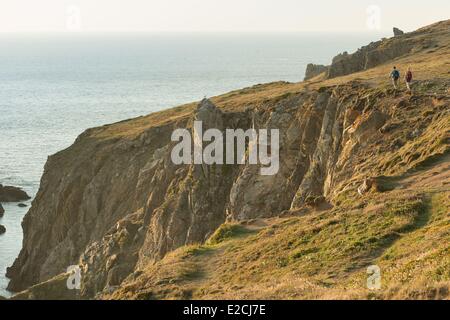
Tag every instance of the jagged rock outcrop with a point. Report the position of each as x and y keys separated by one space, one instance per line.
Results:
x=313 y=70
x=397 y=32
x=12 y=194
x=364 y=58
x=369 y=56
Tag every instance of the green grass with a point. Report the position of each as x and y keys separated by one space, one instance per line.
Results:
x=226 y=232
x=420 y=261
x=196 y=250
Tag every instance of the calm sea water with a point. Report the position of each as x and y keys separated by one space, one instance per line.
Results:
x=52 y=87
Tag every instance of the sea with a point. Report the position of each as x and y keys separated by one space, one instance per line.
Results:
x=54 y=86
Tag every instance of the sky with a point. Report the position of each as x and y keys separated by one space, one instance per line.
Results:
x=218 y=15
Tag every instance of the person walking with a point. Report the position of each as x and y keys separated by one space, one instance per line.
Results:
x=408 y=79
x=395 y=75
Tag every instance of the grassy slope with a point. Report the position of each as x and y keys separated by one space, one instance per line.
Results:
x=321 y=254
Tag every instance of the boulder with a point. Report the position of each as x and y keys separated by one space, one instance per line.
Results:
x=2 y=211
x=12 y=194
x=2 y=229
x=22 y=205
x=397 y=32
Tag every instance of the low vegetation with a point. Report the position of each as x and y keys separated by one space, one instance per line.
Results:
x=319 y=255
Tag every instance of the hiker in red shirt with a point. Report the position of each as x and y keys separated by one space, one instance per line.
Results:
x=408 y=79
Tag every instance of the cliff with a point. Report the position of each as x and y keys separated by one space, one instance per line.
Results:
x=116 y=205
x=380 y=52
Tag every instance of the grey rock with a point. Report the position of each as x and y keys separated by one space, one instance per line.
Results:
x=12 y=194
x=369 y=56
x=313 y=70
x=397 y=32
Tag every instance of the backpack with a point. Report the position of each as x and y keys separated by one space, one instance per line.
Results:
x=395 y=74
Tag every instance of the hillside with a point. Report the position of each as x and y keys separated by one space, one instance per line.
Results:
x=141 y=227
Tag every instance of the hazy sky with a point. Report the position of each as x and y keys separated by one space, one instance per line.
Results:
x=218 y=15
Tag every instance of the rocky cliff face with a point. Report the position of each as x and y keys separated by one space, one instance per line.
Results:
x=376 y=53
x=369 y=56
x=115 y=205
x=115 y=202
x=397 y=32
x=120 y=203
x=313 y=70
